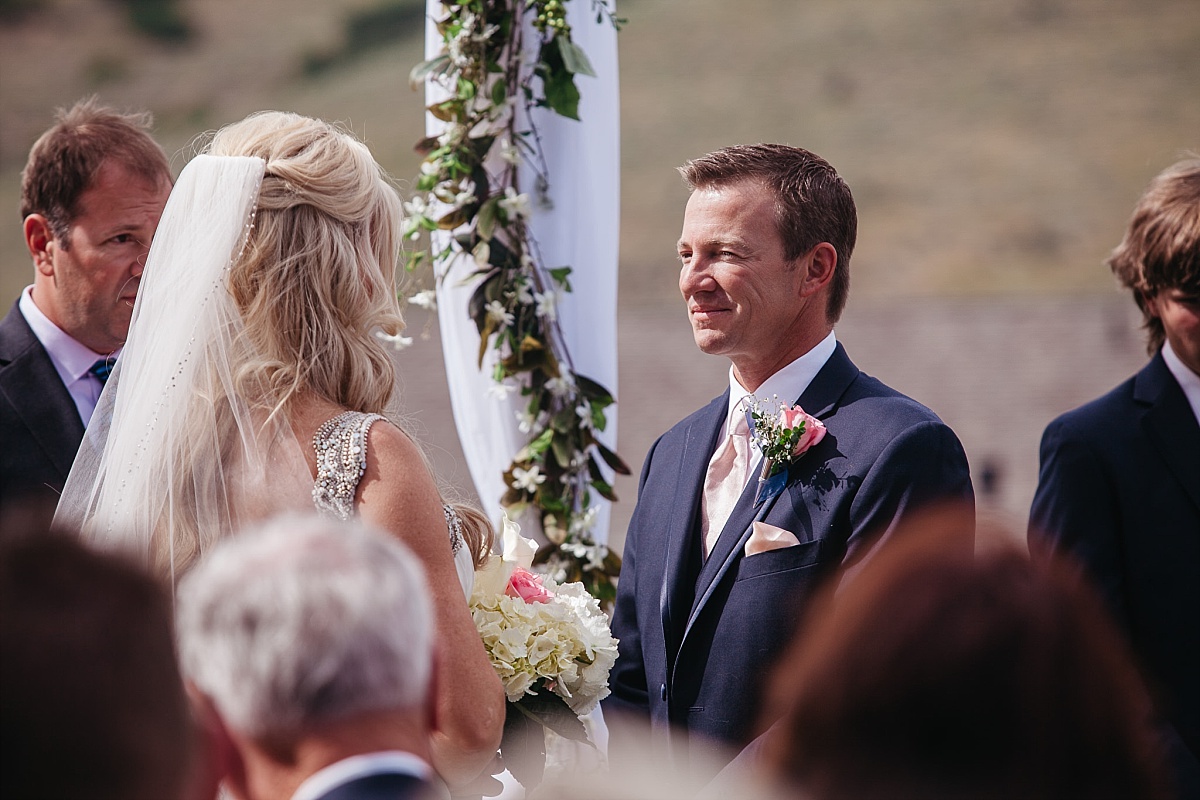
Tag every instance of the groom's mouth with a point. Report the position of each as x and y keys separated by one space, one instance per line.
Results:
x=707 y=312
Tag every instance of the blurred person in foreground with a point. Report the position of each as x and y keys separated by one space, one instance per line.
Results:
x=91 y=702
x=309 y=645
x=1119 y=488
x=939 y=675
x=256 y=380
x=92 y=192
x=716 y=570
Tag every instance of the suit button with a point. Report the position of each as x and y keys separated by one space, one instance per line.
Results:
x=662 y=690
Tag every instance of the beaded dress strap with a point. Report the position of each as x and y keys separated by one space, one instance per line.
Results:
x=341 y=447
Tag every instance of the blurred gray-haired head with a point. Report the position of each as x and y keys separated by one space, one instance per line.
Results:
x=306 y=620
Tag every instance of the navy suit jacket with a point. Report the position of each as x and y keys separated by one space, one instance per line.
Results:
x=697 y=640
x=40 y=427
x=1119 y=490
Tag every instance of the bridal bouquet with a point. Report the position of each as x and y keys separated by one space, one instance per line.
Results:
x=551 y=646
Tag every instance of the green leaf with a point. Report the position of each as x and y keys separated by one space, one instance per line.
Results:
x=453 y=219
x=562 y=96
x=574 y=59
x=542 y=443
x=612 y=459
x=592 y=390
x=552 y=711
x=499 y=92
x=559 y=274
x=523 y=746
x=417 y=76
x=562 y=449
x=485 y=221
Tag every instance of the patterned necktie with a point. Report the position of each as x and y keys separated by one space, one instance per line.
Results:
x=727 y=473
x=102 y=369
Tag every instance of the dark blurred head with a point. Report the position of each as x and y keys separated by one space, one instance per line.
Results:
x=938 y=674
x=91 y=702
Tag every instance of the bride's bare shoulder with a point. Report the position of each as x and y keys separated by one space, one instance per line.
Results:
x=397 y=482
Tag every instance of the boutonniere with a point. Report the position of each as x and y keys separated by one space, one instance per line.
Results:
x=782 y=433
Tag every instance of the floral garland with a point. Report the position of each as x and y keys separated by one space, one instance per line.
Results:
x=469 y=184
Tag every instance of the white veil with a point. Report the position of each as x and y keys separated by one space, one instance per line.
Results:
x=173 y=457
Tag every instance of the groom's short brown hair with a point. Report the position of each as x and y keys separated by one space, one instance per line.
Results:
x=812 y=202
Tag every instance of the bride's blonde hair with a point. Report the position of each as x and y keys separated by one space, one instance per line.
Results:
x=313 y=283
x=317 y=275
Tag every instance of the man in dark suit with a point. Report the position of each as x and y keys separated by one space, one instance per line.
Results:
x=309 y=646
x=716 y=569
x=91 y=194
x=1119 y=487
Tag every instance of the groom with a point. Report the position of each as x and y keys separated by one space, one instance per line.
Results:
x=714 y=578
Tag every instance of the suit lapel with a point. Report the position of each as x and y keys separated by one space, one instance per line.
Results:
x=675 y=599
x=820 y=400
x=1170 y=424
x=36 y=393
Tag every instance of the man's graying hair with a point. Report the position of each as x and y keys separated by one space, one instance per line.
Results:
x=812 y=202
x=303 y=621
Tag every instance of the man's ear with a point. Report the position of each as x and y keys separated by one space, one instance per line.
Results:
x=39 y=238
x=818 y=265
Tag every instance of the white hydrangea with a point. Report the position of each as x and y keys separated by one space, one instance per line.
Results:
x=564 y=644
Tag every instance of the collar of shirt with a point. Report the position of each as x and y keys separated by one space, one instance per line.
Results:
x=71 y=359
x=361 y=766
x=1188 y=380
x=788 y=383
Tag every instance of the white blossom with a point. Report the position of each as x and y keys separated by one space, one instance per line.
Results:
x=498 y=313
x=561 y=385
x=528 y=479
x=426 y=299
x=397 y=341
x=514 y=204
x=547 y=305
x=584 y=412
x=500 y=391
x=524 y=292
x=509 y=153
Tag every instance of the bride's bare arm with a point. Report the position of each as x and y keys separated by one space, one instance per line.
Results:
x=398 y=494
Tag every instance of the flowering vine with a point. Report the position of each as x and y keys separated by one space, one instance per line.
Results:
x=468 y=187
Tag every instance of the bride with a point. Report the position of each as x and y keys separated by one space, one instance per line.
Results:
x=254 y=381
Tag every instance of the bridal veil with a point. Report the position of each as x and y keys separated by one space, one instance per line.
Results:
x=174 y=457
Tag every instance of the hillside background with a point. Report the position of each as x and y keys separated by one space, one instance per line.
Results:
x=995 y=150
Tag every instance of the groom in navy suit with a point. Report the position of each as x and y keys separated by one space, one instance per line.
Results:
x=717 y=571
x=1120 y=477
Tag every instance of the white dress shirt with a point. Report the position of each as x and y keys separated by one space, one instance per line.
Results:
x=362 y=766
x=1188 y=380
x=787 y=384
x=71 y=359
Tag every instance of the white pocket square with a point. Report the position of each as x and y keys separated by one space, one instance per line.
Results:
x=766 y=537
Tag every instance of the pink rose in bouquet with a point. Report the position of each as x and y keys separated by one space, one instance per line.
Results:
x=814 y=429
x=527 y=586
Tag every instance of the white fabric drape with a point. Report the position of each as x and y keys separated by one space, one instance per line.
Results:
x=580 y=230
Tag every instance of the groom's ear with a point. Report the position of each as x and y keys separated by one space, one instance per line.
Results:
x=818 y=265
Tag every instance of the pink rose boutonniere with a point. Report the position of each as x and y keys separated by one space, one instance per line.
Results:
x=782 y=433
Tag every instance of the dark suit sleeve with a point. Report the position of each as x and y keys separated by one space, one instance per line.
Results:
x=1075 y=511
x=924 y=464
x=628 y=677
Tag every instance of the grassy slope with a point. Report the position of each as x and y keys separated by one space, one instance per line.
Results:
x=992 y=146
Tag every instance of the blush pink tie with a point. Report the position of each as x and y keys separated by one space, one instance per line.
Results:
x=727 y=473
